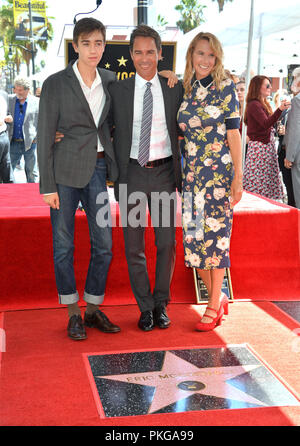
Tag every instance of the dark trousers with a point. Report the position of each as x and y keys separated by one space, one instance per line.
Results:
x=155 y=187
x=6 y=172
x=286 y=176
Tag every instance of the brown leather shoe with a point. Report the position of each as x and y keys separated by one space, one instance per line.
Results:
x=76 y=330
x=99 y=320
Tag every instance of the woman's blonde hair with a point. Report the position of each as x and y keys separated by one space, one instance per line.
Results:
x=217 y=73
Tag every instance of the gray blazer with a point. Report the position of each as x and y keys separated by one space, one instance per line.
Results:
x=122 y=95
x=30 y=123
x=64 y=108
x=292 y=136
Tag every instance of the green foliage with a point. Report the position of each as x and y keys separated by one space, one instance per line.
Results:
x=192 y=15
x=161 y=21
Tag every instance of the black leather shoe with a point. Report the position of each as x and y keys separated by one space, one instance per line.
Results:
x=100 y=321
x=75 y=328
x=146 y=321
x=160 y=316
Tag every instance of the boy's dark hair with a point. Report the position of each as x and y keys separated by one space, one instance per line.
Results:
x=87 y=26
x=145 y=31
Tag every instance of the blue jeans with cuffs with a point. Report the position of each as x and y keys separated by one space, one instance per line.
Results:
x=63 y=223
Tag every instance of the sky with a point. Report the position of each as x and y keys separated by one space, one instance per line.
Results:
x=120 y=12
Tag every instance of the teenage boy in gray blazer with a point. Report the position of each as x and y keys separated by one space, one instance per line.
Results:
x=76 y=102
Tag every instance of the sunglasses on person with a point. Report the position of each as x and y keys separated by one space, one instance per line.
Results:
x=21 y=108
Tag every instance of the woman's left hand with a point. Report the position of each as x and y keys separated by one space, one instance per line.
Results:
x=236 y=190
x=284 y=105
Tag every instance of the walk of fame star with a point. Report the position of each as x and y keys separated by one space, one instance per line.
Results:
x=173 y=382
x=150 y=382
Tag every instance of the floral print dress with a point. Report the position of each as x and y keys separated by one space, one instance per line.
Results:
x=262 y=174
x=204 y=118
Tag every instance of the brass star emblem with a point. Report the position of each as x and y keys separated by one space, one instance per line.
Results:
x=122 y=61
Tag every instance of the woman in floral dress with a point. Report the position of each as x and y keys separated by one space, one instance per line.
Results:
x=212 y=169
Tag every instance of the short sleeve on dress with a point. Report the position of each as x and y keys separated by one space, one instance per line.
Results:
x=231 y=105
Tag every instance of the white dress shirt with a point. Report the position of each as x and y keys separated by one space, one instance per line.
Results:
x=95 y=97
x=160 y=143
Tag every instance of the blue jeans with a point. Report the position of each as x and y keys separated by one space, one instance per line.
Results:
x=17 y=150
x=94 y=198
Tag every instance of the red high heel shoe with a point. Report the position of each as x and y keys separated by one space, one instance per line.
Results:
x=216 y=321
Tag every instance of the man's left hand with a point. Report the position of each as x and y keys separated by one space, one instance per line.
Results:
x=58 y=136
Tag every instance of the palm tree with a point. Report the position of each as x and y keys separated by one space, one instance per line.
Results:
x=192 y=15
x=18 y=51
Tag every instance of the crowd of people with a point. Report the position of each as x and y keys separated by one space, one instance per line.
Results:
x=88 y=128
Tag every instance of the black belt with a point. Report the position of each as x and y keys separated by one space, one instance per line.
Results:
x=152 y=164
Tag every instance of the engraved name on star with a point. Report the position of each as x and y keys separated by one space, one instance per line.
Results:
x=178 y=379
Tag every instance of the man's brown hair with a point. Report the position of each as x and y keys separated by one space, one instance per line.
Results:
x=145 y=31
x=87 y=26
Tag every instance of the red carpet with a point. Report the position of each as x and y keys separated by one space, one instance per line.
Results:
x=264 y=253
x=44 y=380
